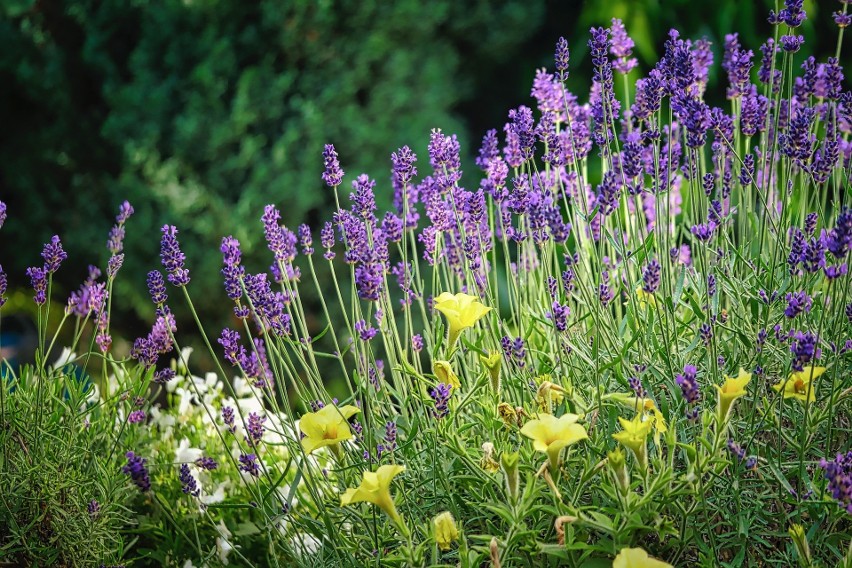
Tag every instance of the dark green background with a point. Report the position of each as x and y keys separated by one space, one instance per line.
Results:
x=201 y=112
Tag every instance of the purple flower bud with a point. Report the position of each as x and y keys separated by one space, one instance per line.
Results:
x=254 y=429
x=792 y=43
x=136 y=417
x=364 y=330
x=441 y=397
x=417 y=341
x=2 y=214
x=38 y=279
x=651 y=276
x=228 y=418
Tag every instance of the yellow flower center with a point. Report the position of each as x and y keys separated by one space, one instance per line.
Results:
x=799 y=386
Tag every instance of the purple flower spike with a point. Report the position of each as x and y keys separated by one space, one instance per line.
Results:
x=232 y=270
x=2 y=214
x=561 y=59
x=651 y=276
x=172 y=258
x=838 y=472
x=622 y=48
x=157 y=287
x=38 y=278
x=137 y=471
x=248 y=464
x=187 y=481
x=53 y=255
x=441 y=397
x=333 y=175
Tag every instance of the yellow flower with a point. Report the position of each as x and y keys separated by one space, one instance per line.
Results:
x=462 y=311
x=646 y=299
x=633 y=437
x=637 y=558
x=550 y=434
x=445 y=374
x=375 y=489
x=800 y=384
x=327 y=427
x=446 y=531
x=729 y=392
x=548 y=395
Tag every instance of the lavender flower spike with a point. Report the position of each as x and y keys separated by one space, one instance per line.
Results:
x=172 y=258
x=2 y=214
x=333 y=175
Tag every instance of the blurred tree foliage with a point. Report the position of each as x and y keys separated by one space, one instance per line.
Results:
x=200 y=112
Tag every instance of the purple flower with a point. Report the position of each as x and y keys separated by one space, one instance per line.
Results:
x=636 y=386
x=703 y=232
x=306 y=240
x=228 y=418
x=441 y=397
x=804 y=349
x=327 y=239
x=206 y=463
x=187 y=481
x=514 y=349
x=232 y=270
x=736 y=450
x=163 y=376
x=561 y=59
x=333 y=175
x=249 y=464
x=254 y=429
x=136 y=417
x=230 y=342
x=2 y=214
x=834 y=272
x=838 y=472
x=522 y=128
x=369 y=280
x=53 y=255
x=363 y=198
x=444 y=158
x=842 y=20
x=793 y=14
x=172 y=258
x=364 y=330
x=390 y=436
x=38 y=279
x=622 y=48
x=706 y=333
x=651 y=276
x=417 y=341
x=688 y=384
x=792 y=43
x=93 y=508
x=797 y=302
x=137 y=471
x=115 y=242
x=560 y=314
x=405 y=194
x=157 y=287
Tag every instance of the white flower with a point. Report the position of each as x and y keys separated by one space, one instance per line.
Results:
x=185 y=454
x=306 y=544
x=67 y=356
x=217 y=496
x=184 y=358
x=223 y=546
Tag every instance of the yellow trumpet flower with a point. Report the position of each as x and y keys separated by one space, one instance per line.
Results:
x=633 y=437
x=637 y=558
x=462 y=311
x=326 y=427
x=550 y=434
x=375 y=489
x=445 y=374
x=800 y=385
x=729 y=392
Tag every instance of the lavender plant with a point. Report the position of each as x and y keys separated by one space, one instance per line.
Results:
x=649 y=367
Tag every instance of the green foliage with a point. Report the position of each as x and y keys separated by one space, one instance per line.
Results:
x=200 y=113
x=58 y=454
